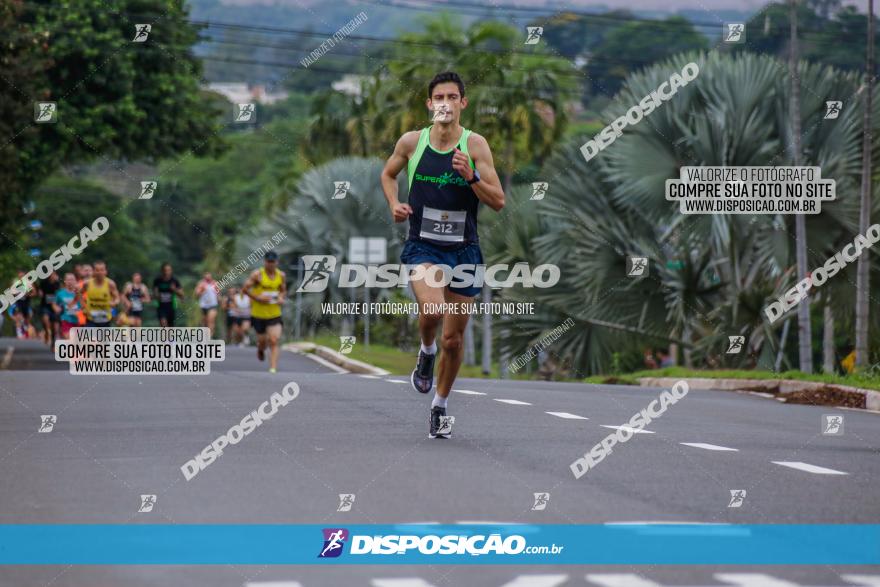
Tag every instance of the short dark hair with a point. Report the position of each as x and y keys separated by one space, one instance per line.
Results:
x=445 y=77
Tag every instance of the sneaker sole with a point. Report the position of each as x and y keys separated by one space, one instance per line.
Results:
x=412 y=381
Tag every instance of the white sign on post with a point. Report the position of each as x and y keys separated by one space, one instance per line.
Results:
x=367 y=250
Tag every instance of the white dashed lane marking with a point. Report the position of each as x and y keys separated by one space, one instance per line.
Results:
x=537 y=581
x=513 y=402
x=606 y=580
x=566 y=415
x=630 y=429
x=753 y=580
x=401 y=582
x=395 y=381
x=808 y=468
x=709 y=446
x=468 y=392
x=370 y=376
x=620 y=580
x=866 y=580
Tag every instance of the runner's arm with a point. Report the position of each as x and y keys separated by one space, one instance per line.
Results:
x=395 y=164
x=488 y=189
x=124 y=297
x=114 y=293
x=251 y=281
x=282 y=292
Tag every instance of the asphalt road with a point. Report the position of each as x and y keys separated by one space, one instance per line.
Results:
x=117 y=437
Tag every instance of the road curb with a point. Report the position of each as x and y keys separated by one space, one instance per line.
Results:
x=331 y=356
x=872 y=397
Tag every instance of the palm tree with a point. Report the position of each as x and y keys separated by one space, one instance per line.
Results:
x=710 y=276
x=317 y=224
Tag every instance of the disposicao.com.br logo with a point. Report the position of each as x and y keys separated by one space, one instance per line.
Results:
x=334 y=540
x=319 y=269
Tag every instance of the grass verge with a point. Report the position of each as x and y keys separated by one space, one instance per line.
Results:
x=861 y=380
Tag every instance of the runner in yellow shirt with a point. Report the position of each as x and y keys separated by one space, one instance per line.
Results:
x=101 y=296
x=268 y=290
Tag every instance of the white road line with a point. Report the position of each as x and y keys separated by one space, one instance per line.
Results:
x=633 y=430
x=566 y=415
x=513 y=402
x=753 y=580
x=468 y=392
x=370 y=376
x=708 y=446
x=396 y=381
x=537 y=581
x=808 y=468
x=867 y=580
x=273 y=584
x=325 y=362
x=620 y=580
x=401 y=582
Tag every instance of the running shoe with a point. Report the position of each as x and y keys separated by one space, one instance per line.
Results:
x=422 y=377
x=273 y=370
x=435 y=430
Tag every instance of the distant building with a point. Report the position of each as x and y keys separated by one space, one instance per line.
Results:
x=241 y=93
x=349 y=84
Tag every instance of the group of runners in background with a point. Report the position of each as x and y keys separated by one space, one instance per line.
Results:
x=87 y=297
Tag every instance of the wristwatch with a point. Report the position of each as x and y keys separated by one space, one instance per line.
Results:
x=476 y=177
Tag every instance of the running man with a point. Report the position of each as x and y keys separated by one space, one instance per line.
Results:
x=240 y=312
x=267 y=289
x=21 y=310
x=68 y=304
x=450 y=171
x=101 y=296
x=134 y=295
x=49 y=317
x=206 y=292
x=226 y=305
x=166 y=288
x=84 y=274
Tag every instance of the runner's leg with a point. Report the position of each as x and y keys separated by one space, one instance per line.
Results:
x=211 y=319
x=273 y=333
x=452 y=342
x=427 y=295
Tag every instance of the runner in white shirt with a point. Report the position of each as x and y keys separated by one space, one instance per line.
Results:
x=240 y=309
x=206 y=291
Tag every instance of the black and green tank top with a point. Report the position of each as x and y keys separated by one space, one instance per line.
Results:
x=444 y=205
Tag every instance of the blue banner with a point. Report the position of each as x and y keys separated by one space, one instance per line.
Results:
x=300 y=544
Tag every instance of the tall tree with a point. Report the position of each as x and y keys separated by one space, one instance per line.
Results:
x=115 y=98
x=635 y=45
x=863 y=274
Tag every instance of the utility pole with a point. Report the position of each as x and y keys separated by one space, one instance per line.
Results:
x=864 y=264
x=805 y=339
